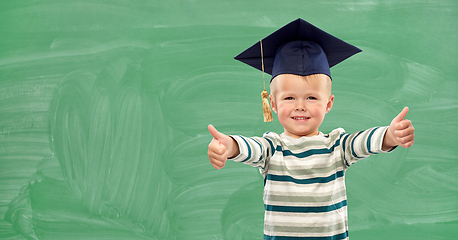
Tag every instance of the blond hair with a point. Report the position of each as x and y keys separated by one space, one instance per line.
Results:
x=306 y=78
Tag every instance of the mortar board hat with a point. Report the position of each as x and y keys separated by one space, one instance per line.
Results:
x=297 y=48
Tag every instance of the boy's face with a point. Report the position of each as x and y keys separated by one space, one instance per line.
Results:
x=301 y=102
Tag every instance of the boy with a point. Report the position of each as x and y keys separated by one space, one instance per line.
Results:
x=304 y=190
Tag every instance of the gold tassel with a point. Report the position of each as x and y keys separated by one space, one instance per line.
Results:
x=266 y=107
x=266 y=111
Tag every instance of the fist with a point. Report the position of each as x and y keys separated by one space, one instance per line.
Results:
x=221 y=148
x=401 y=131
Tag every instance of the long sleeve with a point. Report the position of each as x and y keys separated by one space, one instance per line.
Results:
x=362 y=144
x=256 y=151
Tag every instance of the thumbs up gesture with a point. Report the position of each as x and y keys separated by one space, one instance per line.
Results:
x=400 y=132
x=221 y=148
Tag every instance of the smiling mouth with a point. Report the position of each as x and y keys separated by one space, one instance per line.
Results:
x=301 y=118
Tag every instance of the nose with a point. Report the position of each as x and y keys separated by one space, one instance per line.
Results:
x=300 y=106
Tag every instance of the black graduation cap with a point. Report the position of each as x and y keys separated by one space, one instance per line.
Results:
x=298 y=48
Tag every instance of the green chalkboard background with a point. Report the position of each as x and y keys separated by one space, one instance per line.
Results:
x=104 y=107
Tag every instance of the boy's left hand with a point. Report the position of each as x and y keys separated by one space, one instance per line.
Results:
x=400 y=132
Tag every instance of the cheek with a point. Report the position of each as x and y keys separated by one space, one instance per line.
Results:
x=284 y=111
x=319 y=111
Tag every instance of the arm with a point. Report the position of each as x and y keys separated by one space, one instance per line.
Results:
x=254 y=151
x=376 y=140
x=360 y=145
x=400 y=132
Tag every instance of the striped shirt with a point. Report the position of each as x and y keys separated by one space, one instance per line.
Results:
x=304 y=190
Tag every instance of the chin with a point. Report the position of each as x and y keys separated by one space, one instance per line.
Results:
x=307 y=133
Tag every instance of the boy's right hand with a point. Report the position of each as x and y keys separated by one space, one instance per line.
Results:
x=221 y=148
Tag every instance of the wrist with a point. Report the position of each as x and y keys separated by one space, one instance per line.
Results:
x=388 y=140
x=234 y=149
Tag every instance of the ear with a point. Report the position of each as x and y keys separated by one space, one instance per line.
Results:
x=330 y=103
x=272 y=103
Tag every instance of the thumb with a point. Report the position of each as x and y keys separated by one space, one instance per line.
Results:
x=217 y=135
x=401 y=115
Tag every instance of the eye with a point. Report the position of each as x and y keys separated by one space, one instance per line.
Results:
x=289 y=98
x=311 y=98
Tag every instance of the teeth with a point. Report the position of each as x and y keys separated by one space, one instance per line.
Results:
x=300 y=118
